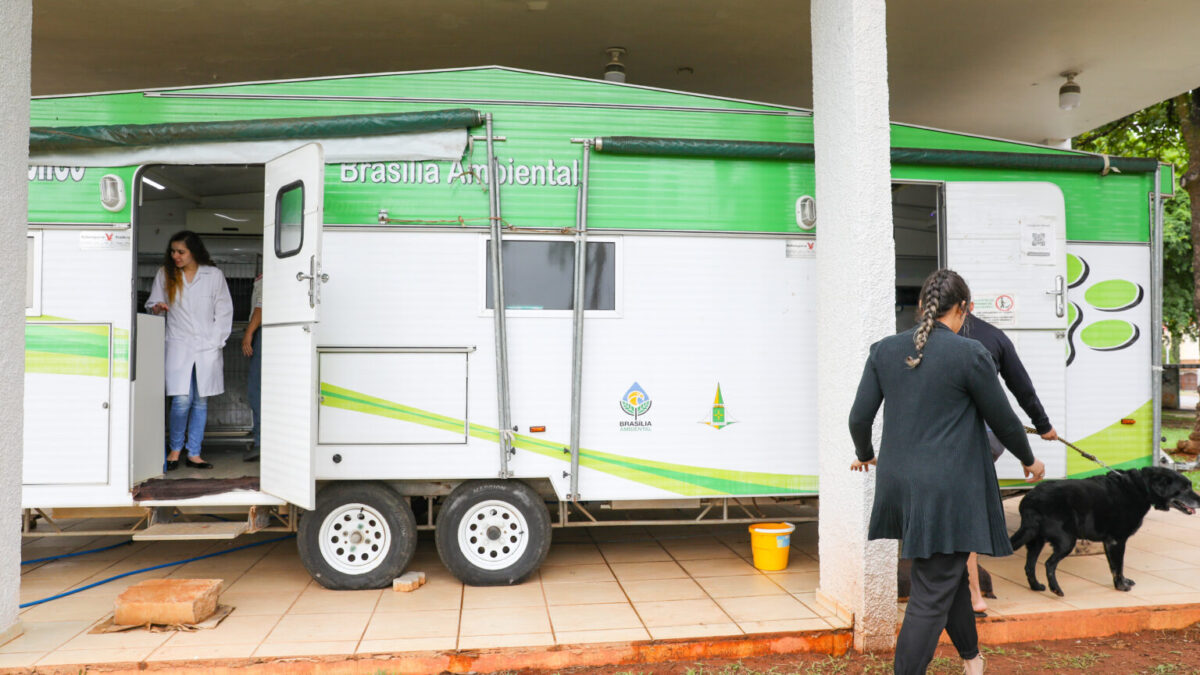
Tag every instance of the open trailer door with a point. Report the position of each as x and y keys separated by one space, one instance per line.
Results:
x=1008 y=240
x=293 y=215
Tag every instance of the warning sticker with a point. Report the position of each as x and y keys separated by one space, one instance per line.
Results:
x=112 y=241
x=998 y=310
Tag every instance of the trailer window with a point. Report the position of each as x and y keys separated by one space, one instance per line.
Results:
x=289 y=220
x=539 y=275
x=33 y=274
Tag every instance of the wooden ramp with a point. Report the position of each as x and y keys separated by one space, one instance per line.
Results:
x=164 y=531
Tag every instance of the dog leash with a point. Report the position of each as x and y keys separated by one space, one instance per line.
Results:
x=1088 y=455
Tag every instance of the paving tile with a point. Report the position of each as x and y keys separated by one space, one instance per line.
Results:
x=505 y=621
x=528 y=594
x=270 y=582
x=639 y=571
x=718 y=567
x=62 y=657
x=702 y=548
x=578 y=637
x=282 y=649
x=513 y=640
x=131 y=639
x=20 y=659
x=740 y=586
x=233 y=630
x=319 y=628
x=1107 y=598
x=583 y=593
x=765 y=608
x=198 y=652
x=89 y=608
x=259 y=603
x=397 y=625
x=317 y=599
x=1168 y=599
x=680 y=613
x=570 y=618
x=694 y=631
x=573 y=554
x=429 y=644
x=641 y=551
x=652 y=590
x=784 y=625
x=797 y=582
x=42 y=636
x=576 y=573
x=435 y=594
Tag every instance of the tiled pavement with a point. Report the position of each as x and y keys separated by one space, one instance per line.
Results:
x=603 y=584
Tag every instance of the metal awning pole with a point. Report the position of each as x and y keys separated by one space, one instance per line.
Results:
x=504 y=422
x=577 y=310
x=1156 y=284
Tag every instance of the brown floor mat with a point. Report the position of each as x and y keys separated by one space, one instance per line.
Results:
x=186 y=488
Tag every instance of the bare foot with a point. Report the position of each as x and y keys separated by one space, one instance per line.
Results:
x=974 y=666
x=980 y=606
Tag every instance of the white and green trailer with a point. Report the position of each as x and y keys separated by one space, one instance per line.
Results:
x=407 y=356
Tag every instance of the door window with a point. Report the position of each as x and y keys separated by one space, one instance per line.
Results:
x=539 y=275
x=289 y=220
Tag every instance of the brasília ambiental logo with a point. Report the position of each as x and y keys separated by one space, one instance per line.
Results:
x=635 y=402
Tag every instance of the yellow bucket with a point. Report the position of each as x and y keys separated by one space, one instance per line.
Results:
x=770 y=543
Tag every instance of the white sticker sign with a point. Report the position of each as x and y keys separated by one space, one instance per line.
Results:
x=801 y=249
x=999 y=309
x=110 y=241
x=1037 y=241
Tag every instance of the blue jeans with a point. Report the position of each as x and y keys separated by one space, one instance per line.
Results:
x=254 y=387
x=188 y=413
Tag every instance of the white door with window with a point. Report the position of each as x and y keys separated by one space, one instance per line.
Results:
x=1008 y=241
x=292 y=278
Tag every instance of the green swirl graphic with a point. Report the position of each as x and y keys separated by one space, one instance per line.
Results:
x=1077 y=270
x=1114 y=295
x=1109 y=335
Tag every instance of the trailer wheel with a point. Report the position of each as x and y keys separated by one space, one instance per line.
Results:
x=361 y=535
x=493 y=533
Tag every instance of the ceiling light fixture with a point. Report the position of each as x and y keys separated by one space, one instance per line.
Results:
x=1068 y=94
x=151 y=183
x=614 y=70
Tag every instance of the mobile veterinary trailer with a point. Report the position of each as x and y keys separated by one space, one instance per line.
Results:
x=408 y=356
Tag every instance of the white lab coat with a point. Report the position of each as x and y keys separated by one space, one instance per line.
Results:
x=198 y=323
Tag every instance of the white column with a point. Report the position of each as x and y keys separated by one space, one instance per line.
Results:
x=856 y=274
x=15 y=25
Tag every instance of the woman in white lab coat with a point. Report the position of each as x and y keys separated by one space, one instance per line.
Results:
x=194 y=296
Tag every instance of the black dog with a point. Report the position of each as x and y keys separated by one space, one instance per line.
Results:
x=1108 y=508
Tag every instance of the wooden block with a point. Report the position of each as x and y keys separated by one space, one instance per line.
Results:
x=167 y=602
x=409 y=581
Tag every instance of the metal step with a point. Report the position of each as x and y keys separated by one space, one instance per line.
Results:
x=161 y=531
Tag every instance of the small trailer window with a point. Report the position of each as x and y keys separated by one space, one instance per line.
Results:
x=289 y=220
x=539 y=275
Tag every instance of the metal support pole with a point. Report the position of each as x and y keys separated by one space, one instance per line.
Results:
x=577 y=310
x=1156 y=283
x=504 y=421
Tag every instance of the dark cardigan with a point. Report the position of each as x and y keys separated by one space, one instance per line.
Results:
x=935 y=485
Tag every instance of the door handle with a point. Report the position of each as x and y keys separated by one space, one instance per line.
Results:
x=1060 y=296
x=314 y=275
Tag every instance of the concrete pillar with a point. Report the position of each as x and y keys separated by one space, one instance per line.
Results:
x=856 y=274
x=15 y=25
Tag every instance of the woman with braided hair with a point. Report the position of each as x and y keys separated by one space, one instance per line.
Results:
x=936 y=486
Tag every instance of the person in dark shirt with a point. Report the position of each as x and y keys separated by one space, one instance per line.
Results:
x=1015 y=377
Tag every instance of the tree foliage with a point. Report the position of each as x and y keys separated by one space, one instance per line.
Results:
x=1155 y=132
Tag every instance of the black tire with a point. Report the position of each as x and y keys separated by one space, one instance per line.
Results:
x=493 y=533
x=367 y=510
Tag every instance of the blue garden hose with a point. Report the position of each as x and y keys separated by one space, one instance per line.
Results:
x=72 y=555
x=145 y=569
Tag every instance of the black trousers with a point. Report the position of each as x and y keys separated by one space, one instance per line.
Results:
x=940 y=598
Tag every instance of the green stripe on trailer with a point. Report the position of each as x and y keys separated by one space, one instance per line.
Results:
x=678 y=478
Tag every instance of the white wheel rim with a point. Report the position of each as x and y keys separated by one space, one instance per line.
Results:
x=493 y=535
x=355 y=538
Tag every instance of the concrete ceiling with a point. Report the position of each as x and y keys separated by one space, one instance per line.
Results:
x=989 y=67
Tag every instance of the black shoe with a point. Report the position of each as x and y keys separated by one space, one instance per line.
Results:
x=172 y=464
x=197 y=465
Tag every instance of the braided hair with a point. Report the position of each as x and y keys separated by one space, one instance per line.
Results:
x=942 y=291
